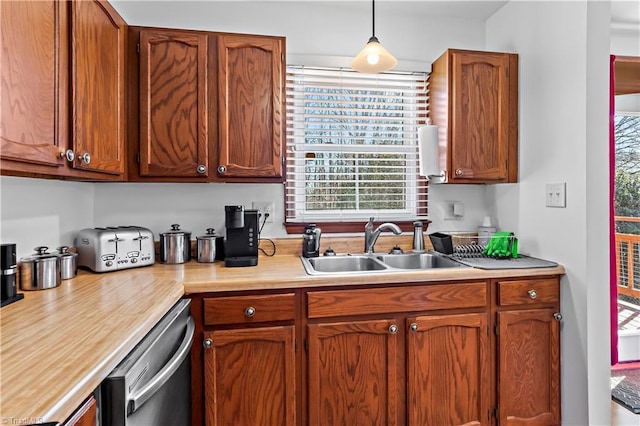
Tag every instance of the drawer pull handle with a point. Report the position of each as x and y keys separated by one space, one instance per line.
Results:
x=532 y=294
x=557 y=316
x=414 y=326
x=222 y=169
x=250 y=312
x=207 y=343
x=393 y=329
x=201 y=169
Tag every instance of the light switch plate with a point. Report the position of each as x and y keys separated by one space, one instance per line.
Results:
x=556 y=195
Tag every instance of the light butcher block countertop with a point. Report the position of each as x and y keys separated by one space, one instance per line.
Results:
x=281 y=272
x=58 y=345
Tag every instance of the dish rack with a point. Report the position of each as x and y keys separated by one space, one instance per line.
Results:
x=462 y=244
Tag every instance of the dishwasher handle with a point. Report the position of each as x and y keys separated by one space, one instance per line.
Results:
x=139 y=398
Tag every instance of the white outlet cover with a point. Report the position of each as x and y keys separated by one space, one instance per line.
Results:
x=264 y=206
x=556 y=195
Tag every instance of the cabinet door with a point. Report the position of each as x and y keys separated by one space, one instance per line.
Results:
x=251 y=106
x=448 y=379
x=34 y=82
x=353 y=373
x=528 y=368
x=86 y=415
x=173 y=104
x=480 y=115
x=250 y=377
x=98 y=37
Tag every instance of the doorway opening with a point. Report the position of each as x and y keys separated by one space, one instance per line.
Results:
x=625 y=175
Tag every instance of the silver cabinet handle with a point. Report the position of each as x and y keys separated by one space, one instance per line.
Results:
x=250 y=312
x=557 y=316
x=458 y=172
x=207 y=343
x=532 y=294
x=393 y=329
x=85 y=157
x=69 y=155
x=414 y=326
x=202 y=169
x=139 y=398
x=222 y=169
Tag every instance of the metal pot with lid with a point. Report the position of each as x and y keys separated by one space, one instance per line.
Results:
x=40 y=271
x=209 y=246
x=175 y=245
x=68 y=263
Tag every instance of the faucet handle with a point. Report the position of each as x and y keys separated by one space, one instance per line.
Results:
x=370 y=223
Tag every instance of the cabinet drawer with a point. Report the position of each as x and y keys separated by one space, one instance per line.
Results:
x=249 y=309
x=322 y=304
x=528 y=292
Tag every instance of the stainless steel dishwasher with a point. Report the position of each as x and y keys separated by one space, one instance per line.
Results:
x=152 y=385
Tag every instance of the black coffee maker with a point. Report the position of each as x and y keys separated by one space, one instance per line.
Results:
x=241 y=247
x=9 y=267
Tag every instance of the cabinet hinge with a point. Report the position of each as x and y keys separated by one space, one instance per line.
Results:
x=138 y=47
x=306 y=345
x=495 y=413
x=295 y=345
x=138 y=158
x=495 y=329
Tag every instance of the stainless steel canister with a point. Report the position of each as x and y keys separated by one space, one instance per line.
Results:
x=206 y=246
x=68 y=263
x=40 y=271
x=175 y=245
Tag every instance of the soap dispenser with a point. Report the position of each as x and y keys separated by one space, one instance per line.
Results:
x=418 y=237
x=311 y=241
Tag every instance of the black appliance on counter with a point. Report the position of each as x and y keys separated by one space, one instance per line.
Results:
x=241 y=247
x=9 y=268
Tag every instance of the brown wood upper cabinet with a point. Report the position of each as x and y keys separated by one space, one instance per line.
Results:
x=250 y=106
x=174 y=138
x=63 y=108
x=205 y=106
x=474 y=102
x=98 y=37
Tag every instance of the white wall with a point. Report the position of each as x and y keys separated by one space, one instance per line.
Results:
x=321 y=32
x=38 y=212
x=564 y=57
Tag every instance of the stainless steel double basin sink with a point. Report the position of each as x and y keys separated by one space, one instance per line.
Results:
x=367 y=263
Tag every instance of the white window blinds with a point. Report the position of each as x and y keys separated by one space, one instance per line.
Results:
x=352 y=149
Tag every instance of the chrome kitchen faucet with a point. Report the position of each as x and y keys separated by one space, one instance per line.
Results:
x=371 y=235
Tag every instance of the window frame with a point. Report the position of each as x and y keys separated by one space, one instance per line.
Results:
x=415 y=186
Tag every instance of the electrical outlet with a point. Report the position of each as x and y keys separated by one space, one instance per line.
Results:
x=453 y=210
x=264 y=207
x=556 y=195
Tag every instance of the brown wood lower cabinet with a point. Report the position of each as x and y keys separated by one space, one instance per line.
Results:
x=480 y=352
x=529 y=367
x=353 y=373
x=448 y=380
x=250 y=377
x=85 y=415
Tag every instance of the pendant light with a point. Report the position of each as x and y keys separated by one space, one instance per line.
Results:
x=373 y=58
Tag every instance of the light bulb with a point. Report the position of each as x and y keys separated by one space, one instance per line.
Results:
x=373 y=58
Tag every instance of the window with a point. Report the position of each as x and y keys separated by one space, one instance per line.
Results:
x=352 y=146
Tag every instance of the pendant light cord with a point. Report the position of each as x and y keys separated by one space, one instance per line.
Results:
x=373 y=18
